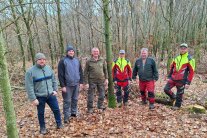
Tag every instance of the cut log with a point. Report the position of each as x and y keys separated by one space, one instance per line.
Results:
x=196 y=109
x=162 y=98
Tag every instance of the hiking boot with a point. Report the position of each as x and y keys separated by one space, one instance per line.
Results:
x=151 y=106
x=66 y=121
x=119 y=105
x=43 y=131
x=102 y=107
x=73 y=115
x=143 y=102
x=60 y=126
x=175 y=108
x=126 y=104
x=90 y=111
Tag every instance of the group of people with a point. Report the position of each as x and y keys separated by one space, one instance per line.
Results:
x=41 y=85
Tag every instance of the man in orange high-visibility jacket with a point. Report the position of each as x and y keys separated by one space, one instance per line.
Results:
x=180 y=75
x=122 y=74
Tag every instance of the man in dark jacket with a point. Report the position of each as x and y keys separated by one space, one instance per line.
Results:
x=180 y=75
x=70 y=76
x=95 y=74
x=146 y=69
x=41 y=87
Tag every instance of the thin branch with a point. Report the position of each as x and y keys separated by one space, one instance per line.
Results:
x=8 y=24
x=163 y=12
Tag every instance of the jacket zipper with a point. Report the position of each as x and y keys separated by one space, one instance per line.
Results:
x=179 y=63
x=143 y=65
x=121 y=64
x=46 y=83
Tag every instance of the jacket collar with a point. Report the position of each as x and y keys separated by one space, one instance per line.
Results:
x=121 y=58
x=186 y=54
x=39 y=66
x=99 y=58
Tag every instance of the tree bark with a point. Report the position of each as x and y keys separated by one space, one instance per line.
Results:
x=60 y=26
x=17 y=30
x=111 y=96
x=48 y=34
x=5 y=89
x=27 y=23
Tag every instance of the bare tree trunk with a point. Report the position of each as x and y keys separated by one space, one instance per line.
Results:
x=36 y=30
x=5 y=90
x=170 y=22
x=111 y=96
x=60 y=26
x=48 y=34
x=18 y=35
x=27 y=23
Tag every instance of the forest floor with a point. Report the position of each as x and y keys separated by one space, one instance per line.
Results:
x=135 y=120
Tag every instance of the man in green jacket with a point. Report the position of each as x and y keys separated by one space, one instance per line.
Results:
x=95 y=74
x=41 y=87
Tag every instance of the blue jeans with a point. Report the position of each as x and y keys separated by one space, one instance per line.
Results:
x=53 y=104
x=70 y=101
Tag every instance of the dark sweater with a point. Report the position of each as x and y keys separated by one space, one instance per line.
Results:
x=145 y=72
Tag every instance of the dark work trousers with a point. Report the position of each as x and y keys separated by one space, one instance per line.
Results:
x=119 y=87
x=91 y=92
x=53 y=104
x=180 y=91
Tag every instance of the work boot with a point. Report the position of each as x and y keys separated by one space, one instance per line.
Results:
x=151 y=106
x=73 y=115
x=66 y=121
x=90 y=110
x=43 y=131
x=175 y=108
x=60 y=126
x=102 y=107
x=126 y=104
x=119 y=105
x=144 y=102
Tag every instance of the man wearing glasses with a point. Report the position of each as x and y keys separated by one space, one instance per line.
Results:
x=180 y=75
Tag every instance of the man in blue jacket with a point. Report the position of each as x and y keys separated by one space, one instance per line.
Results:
x=41 y=87
x=70 y=76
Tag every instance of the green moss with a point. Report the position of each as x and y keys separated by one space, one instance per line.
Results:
x=196 y=109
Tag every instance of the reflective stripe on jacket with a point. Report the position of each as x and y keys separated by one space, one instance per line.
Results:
x=40 y=82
